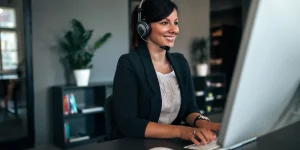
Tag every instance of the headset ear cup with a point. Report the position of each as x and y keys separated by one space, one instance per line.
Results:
x=143 y=29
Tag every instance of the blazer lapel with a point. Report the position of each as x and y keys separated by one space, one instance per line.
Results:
x=156 y=100
x=178 y=72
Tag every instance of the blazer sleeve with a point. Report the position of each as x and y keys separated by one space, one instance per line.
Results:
x=190 y=93
x=125 y=102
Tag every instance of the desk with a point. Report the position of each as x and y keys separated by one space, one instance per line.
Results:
x=287 y=138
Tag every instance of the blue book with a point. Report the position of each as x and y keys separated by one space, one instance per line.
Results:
x=73 y=103
x=67 y=131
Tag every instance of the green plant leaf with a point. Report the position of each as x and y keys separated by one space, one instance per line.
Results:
x=90 y=66
x=87 y=36
x=101 y=40
x=199 y=50
x=78 y=27
x=72 y=41
x=64 y=46
x=79 y=54
x=69 y=38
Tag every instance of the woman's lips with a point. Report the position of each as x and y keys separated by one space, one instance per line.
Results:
x=170 y=38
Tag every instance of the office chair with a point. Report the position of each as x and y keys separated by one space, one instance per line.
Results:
x=108 y=117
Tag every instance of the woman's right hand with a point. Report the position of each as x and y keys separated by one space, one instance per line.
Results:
x=205 y=135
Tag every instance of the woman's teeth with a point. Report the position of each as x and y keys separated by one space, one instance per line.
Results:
x=170 y=38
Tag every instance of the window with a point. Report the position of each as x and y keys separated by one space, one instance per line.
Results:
x=8 y=37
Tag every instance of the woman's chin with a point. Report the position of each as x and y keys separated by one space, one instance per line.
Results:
x=169 y=45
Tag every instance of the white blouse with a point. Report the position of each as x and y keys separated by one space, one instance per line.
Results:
x=170 y=94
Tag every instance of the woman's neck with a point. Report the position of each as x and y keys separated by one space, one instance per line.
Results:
x=157 y=54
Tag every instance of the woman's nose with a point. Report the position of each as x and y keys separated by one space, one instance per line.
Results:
x=174 y=28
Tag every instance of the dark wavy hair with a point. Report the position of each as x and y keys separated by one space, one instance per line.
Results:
x=152 y=11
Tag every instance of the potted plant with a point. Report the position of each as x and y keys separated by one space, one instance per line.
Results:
x=78 y=53
x=199 y=53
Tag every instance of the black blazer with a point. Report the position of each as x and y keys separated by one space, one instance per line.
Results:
x=136 y=92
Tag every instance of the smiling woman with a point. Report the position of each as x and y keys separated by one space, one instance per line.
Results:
x=155 y=17
x=165 y=31
x=154 y=86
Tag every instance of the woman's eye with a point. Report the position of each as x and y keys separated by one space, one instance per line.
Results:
x=164 y=23
x=176 y=23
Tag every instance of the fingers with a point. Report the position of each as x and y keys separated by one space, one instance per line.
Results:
x=193 y=139
x=205 y=135
x=201 y=136
x=214 y=136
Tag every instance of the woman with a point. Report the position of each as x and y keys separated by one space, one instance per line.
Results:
x=153 y=91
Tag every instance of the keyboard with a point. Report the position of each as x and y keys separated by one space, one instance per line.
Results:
x=210 y=146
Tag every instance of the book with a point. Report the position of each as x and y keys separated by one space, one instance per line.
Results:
x=91 y=109
x=77 y=139
x=67 y=131
x=73 y=106
x=66 y=105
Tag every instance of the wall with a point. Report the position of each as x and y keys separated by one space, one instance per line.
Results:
x=193 y=22
x=49 y=20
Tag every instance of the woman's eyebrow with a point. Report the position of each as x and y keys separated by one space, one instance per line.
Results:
x=169 y=19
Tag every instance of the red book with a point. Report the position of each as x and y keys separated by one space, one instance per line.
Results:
x=66 y=105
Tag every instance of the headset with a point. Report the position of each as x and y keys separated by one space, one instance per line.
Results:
x=143 y=28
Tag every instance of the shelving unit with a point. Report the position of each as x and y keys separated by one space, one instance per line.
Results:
x=210 y=92
x=71 y=128
x=225 y=42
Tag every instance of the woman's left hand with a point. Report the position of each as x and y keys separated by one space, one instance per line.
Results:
x=208 y=125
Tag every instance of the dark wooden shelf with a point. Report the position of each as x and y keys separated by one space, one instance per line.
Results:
x=212 y=95
x=81 y=114
x=91 y=85
x=215 y=87
x=94 y=139
x=72 y=125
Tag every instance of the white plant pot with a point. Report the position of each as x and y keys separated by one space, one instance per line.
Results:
x=202 y=69
x=82 y=77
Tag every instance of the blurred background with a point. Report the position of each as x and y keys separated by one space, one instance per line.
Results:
x=35 y=79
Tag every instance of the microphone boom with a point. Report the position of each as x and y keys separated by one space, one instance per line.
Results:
x=162 y=47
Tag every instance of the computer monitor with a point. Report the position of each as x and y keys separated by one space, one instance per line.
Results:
x=267 y=71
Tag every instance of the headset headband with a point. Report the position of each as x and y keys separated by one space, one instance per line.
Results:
x=139 y=11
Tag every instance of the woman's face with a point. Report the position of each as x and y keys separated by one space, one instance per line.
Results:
x=164 y=32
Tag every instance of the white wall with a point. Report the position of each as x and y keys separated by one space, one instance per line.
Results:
x=49 y=19
x=193 y=22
